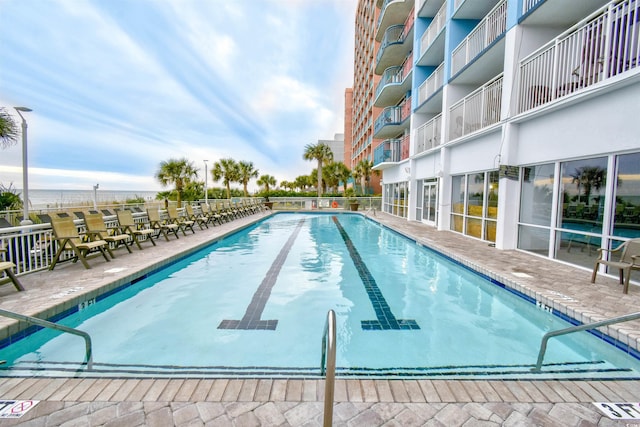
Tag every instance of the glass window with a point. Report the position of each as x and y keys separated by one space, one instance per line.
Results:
x=457 y=194
x=534 y=239
x=492 y=197
x=582 y=188
x=475 y=192
x=536 y=196
x=627 y=190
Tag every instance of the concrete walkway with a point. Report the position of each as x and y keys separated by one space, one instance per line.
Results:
x=299 y=402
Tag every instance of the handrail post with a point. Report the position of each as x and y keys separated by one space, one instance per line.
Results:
x=329 y=356
x=588 y=326
x=46 y=324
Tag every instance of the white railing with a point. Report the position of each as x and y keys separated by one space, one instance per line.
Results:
x=428 y=135
x=436 y=26
x=527 y=5
x=476 y=111
x=32 y=247
x=602 y=46
x=486 y=32
x=430 y=86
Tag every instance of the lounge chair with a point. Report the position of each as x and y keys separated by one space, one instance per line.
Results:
x=97 y=230
x=7 y=267
x=213 y=216
x=183 y=223
x=128 y=226
x=68 y=238
x=199 y=219
x=4 y=223
x=162 y=226
x=629 y=260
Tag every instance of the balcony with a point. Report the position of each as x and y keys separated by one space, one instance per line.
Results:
x=390 y=122
x=428 y=89
x=394 y=84
x=488 y=31
x=428 y=135
x=395 y=46
x=557 y=13
x=432 y=41
x=393 y=12
x=387 y=152
x=597 y=49
x=478 y=110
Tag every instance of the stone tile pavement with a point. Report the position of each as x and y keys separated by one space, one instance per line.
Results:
x=298 y=402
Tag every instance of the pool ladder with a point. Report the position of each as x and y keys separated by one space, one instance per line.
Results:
x=328 y=366
x=588 y=326
x=46 y=324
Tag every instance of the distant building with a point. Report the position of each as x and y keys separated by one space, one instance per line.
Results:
x=337 y=146
x=510 y=121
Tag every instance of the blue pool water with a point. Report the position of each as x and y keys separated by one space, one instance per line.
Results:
x=255 y=303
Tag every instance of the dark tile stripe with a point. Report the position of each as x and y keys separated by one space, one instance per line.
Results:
x=251 y=318
x=385 y=318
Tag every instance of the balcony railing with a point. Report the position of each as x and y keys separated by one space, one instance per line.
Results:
x=596 y=49
x=405 y=146
x=437 y=24
x=393 y=115
x=527 y=5
x=486 y=32
x=430 y=86
x=477 y=110
x=393 y=35
x=387 y=152
x=395 y=74
x=428 y=135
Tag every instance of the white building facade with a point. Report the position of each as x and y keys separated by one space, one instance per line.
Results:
x=524 y=122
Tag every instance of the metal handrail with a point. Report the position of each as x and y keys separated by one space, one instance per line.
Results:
x=545 y=338
x=46 y=324
x=329 y=371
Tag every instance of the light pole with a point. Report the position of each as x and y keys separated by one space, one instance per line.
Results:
x=25 y=175
x=95 y=196
x=206 y=179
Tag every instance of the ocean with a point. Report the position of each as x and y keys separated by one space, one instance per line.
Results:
x=40 y=199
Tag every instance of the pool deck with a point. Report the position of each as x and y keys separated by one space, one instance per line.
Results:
x=299 y=402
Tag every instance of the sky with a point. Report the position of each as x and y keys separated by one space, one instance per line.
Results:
x=118 y=86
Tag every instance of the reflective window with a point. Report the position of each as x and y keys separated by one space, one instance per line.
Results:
x=475 y=187
x=536 y=197
x=627 y=201
x=457 y=202
x=492 y=197
x=582 y=188
x=474 y=204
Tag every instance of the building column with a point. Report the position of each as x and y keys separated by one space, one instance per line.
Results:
x=508 y=191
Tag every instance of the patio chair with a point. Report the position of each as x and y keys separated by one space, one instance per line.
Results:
x=97 y=230
x=213 y=216
x=181 y=222
x=629 y=260
x=129 y=226
x=162 y=226
x=68 y=238
x=4 y=223
x=199 y=219
x=7 y=267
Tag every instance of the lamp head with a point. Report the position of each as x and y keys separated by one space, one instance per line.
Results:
x=24 y=109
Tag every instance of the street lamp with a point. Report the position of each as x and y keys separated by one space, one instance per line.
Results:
x=206 y=179
x=95 y=196
x=25 y=176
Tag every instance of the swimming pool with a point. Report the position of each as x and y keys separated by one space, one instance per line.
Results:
x=255 y=304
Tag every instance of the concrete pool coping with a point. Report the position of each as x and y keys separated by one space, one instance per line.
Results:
x=296 y=402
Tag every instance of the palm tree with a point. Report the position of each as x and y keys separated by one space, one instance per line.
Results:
x=335 y=172
x=322 y=154
x=177 y=171
x=246 y=171
x=227 y=171
x=343 y=173
x=267 y=181
x=363 y=172
x=8 y=129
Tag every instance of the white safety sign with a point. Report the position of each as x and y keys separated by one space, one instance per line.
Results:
x=15 y=408
x=620 y=410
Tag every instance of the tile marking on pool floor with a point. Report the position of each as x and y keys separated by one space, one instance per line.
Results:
x=251 y=318
x=386 y=319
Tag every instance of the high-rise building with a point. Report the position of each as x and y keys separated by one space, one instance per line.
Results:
x=508 y=121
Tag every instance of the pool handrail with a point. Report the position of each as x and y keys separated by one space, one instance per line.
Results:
x=46 y=324
x=329 y=371
x=578 y=328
